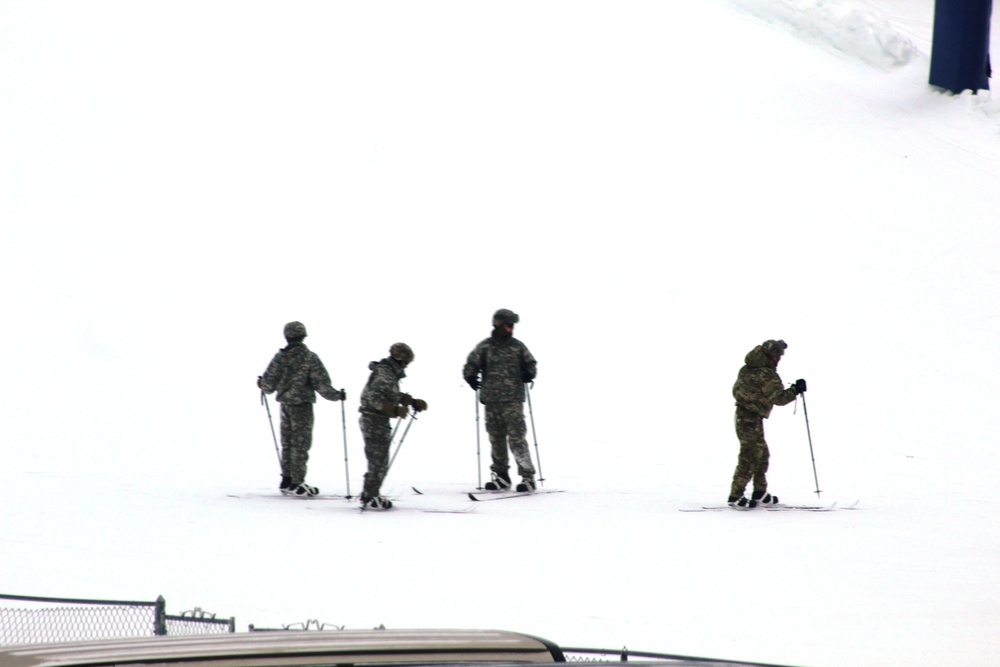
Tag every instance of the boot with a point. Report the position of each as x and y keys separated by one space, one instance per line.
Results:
x=303 y=490
x=376 y=503
x=741 y=502
x=764 y=498
x=500 y=482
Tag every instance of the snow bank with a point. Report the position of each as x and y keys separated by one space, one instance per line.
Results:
x=986 y=103
x=843 y=25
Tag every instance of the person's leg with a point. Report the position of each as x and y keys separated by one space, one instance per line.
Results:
x=496 y=428
x=296 y=440
x=750 y=432
x=376 y=432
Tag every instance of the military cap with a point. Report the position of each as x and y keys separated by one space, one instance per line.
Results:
x=401 y=352
x=504 y=316
x=295 y=331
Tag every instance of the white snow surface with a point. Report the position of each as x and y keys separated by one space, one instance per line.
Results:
x=655 y=187
x=846 y=26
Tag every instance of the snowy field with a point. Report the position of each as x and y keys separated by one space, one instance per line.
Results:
x=656 y=187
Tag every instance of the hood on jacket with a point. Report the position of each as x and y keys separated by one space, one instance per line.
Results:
x=392 y=363
x=761 y=356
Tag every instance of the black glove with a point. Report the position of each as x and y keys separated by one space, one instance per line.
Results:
x=419 y=405
x=473 y=382
x=527 y=377
x=800 y=387
x=402 y=411
x=405 y=399
x=343 y=394
x=259 y=385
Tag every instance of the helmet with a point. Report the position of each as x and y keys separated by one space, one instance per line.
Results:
x=295 y=331
x=775 y=348
x=504 y=316
x=401 y=352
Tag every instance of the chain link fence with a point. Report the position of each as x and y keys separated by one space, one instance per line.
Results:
x=305 y=625
x=39 y=620
x=197 y=622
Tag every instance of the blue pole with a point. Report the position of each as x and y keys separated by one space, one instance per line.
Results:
x=960 y=52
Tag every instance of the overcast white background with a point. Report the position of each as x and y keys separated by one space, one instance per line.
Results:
x=656 y=187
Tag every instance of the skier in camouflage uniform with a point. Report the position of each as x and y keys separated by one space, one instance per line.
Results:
x=297 y=373
x=758 y=388
x=505 y=365
x=380 y=400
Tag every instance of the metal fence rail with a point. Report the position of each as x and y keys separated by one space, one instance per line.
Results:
x=45 y=619
x=198 y=622
x=604 y=655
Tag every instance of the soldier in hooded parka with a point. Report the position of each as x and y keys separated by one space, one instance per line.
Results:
x=757 y=390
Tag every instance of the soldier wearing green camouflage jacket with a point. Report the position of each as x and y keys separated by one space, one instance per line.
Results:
x=504 y=365
x=296 y=374
x=381 y=399
x=757 y=390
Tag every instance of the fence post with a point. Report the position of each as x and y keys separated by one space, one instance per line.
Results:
x=160 y=619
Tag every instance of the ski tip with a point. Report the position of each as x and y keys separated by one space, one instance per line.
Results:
x=417 y=491
x=472 y=497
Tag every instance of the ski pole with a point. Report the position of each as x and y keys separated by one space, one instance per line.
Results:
x=805 y=411
x=401 y=439
x=479 y=457
x=347 y=474
x=394 y=430
x=263 y=401
x=534 y=436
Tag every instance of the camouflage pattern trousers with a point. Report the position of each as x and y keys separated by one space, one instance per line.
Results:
x=754 y=455
x=377 y=434
x=296 y=439
x=505 y=426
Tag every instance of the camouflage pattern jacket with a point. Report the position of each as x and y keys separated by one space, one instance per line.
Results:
x=758 y=387
x=505 y=365
x=296 y=373
x=382 y=388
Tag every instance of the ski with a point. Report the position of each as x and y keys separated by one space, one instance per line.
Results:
x=491 y=492
x=319 y=496
x=505 y=495
x=810 y=508
x=357 y=508
x=772 y=508
x=804 y=508
x=426 y=510
x=396 y=507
